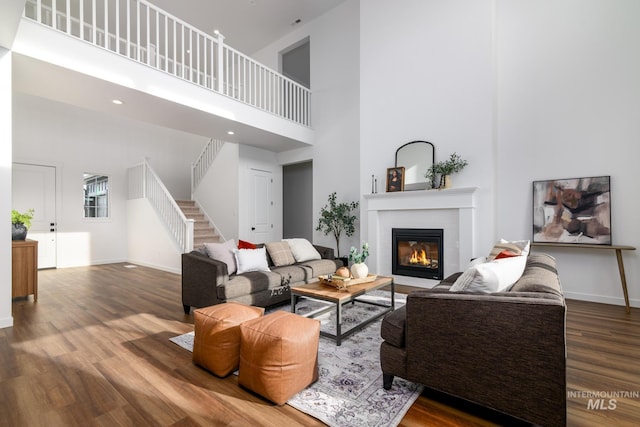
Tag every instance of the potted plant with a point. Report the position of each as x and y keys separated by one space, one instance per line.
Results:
x=21 y=222
x=445 y=168
x=336 y=218
x=359 y=269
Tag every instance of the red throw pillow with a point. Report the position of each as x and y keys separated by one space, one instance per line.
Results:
x=506 y=254
x=242 y=244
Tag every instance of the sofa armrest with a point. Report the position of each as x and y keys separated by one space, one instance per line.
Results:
x=504 y=351
x=201 y=276
x=325 y=252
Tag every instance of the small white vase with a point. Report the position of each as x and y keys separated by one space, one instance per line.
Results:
x=359 y=271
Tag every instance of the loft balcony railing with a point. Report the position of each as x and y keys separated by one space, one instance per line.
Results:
x=145 y=33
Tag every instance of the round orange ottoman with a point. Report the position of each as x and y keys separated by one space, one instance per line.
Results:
x=279 y=355
x=216 y=344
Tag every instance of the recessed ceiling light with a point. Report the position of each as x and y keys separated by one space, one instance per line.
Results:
x=231 y=132
x=117 y=101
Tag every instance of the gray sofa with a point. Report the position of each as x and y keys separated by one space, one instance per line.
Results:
x=505 y=351
x=205 y=281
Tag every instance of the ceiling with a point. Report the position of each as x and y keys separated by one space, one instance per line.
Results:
x=248 y=25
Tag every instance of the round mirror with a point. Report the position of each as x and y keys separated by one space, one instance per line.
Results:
x=416 y=157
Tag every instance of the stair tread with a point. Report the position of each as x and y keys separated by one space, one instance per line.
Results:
x=202 y=230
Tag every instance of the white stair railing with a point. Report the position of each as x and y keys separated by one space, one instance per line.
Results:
x=145 y=183
x=201 y=165
x=146 y=34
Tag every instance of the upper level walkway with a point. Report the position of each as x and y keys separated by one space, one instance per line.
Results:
x=90 y=52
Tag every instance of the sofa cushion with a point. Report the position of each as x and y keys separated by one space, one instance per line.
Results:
x=223 y=252
x=243 y=244
x=539 y=276
x=280 y=253
x=302 y=250
x=249 y=283
x=394 y=327
x=506 y=254
x=294 y=273
x=493 y=276
x=518 y=247
x=251 y=260
x=321 y=266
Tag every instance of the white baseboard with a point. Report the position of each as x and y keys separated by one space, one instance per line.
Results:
x=7 y=322
x=156 y=266
x=600 y=298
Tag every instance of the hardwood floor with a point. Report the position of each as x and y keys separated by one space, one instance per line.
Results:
x=95 y=350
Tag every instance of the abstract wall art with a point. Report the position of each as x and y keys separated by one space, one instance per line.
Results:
x=576 y=210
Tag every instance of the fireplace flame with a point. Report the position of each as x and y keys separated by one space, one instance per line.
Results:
x=419 y=257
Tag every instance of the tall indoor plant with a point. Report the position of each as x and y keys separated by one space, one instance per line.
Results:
x=20 y=223
x=336 y=218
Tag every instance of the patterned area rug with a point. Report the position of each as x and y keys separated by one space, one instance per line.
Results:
x=349 y=391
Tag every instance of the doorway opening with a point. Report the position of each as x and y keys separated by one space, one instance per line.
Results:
x=297 y=200
x=295 y=62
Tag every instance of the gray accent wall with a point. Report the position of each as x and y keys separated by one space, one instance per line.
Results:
x=297 y=200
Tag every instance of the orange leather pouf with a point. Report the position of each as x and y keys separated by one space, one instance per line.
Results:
x=216 y=345
x=279 y=355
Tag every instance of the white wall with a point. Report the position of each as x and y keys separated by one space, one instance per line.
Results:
x=335 y=59
x=77 y=141
x=148 y=242
x=426 y=74
x=220 y=183
x=569 y=91
x=6 y=318
x=525 y=91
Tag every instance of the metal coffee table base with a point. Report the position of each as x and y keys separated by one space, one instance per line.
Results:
x=338 y=305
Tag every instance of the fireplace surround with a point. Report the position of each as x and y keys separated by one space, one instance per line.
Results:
x=452 y=210
x=417 y=252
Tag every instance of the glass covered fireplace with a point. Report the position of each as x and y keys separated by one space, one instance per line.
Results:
x=417 y=252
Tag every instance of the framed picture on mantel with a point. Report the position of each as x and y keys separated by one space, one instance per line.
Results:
x=395 y=179
x=576 y=210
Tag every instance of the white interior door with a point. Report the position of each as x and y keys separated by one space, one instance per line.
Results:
x=34 y=187
x=261 y=205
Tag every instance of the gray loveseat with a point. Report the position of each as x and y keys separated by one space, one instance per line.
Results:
x=505 y=350
x=206 y=281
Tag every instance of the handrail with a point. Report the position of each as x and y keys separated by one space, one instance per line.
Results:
x=145 y=183
x=148 y=35
x=204 y=160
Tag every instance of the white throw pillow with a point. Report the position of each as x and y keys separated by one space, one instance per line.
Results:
x=223 y=252
x=302 y=250
x=493 y=276
x=251 y=260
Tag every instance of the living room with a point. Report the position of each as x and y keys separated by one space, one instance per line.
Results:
x=526 y=91
x=482 y=93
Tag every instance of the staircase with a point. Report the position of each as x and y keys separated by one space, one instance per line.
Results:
x=202 y=230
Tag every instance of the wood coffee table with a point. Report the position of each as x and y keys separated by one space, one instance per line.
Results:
x=318 y=291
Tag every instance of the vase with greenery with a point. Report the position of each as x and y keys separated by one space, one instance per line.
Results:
x=20 y=223
x=359 y=269
x=445 y=168
x=336 y=218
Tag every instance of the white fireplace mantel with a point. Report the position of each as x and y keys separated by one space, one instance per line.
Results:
x=453 y=210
